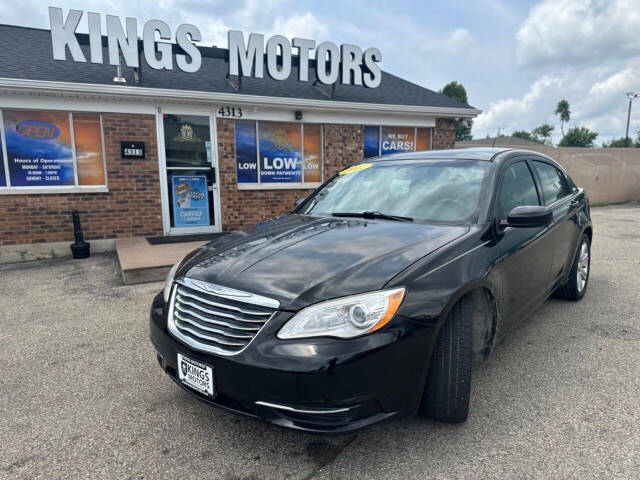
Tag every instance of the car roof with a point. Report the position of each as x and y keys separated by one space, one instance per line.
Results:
x=486 y=154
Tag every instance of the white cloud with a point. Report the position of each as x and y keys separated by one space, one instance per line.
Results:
x=513 y=114
x=571 y=32
x=584 y=51
x=304 y=25
x=501 y=9
x=456 y=43
x=597 y=99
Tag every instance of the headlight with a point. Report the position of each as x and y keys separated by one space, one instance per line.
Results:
x=169 y=282
x=346 y=317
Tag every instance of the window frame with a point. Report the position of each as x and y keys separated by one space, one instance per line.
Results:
x=259 y=185
x=499 y=212
x=8 y=189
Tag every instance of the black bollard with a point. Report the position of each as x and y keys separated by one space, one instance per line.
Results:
x=80 y=249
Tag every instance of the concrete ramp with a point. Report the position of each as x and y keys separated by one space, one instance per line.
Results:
x=141 y=262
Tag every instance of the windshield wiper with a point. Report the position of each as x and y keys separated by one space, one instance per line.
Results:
x=372 y=216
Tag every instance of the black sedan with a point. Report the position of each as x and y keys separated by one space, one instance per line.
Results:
x=373 y=298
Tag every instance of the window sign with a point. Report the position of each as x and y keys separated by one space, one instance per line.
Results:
x=280 y=152
x=312 y=148
x=246 y=152
x=397 y=139
x=39 y=151
x=386 y=140
x=190 y=200
x=51 y=149
x=371 y=141
x=87 y=133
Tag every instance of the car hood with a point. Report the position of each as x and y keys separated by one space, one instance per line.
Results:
x=299 y=260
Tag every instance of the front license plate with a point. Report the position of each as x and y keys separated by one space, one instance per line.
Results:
x=196 y=375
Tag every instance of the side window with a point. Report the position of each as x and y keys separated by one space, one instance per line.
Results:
x=571 y=183
x=554 y=185
x=518 y=188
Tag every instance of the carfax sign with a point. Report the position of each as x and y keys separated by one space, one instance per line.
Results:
x=190 y=200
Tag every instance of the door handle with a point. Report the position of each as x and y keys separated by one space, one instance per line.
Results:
x=574 y=203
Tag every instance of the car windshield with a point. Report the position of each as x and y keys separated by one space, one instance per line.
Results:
x=430 y=190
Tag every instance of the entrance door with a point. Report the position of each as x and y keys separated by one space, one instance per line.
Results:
x=189 y=172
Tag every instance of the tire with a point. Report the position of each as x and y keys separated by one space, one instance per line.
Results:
x=576 y=285
x=448 y=388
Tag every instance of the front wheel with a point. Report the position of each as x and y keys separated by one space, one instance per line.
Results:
x=446 y=396
x=576 y=286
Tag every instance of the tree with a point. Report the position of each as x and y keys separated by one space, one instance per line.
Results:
x=457 y=92
x=622 y=142
x=562 y=110
x=578 y=137
x=527 y=136
x=544 y=131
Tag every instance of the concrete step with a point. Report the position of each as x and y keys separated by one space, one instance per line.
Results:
x=141 y=262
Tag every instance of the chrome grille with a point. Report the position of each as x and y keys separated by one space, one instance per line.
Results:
x=216 y=319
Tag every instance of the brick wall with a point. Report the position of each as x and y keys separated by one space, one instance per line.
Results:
x=130 y=208
x=445 y=133
x=343 y=145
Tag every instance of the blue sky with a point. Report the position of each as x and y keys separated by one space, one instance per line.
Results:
x=516 y=58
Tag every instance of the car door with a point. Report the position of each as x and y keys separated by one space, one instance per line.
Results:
x=526 y=259
x=562 y=199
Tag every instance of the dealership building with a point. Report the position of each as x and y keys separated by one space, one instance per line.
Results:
x=145 y=151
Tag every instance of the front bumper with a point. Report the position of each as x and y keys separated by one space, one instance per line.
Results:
x=319 y=385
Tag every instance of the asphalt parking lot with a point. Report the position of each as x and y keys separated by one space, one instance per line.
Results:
x=81 y=394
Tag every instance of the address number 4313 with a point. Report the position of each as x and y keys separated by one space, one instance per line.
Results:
x=226 y=111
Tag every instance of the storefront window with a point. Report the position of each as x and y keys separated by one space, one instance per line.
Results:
x=387 y=140
x=269 y=153
x=187 y=140
x=190 y=171
x=41 y=151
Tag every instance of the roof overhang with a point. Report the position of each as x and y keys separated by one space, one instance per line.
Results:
x=145 y=94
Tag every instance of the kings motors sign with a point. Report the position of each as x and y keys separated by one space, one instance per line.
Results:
x=347 y=64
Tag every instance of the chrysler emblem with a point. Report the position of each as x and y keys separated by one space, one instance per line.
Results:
x=219 y=290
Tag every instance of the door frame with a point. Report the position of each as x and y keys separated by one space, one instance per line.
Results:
x=162 y=164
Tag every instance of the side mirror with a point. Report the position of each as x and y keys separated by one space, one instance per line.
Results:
x=298 y=202
x=528 y=217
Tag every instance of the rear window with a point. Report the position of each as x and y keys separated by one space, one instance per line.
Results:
x=554 y=183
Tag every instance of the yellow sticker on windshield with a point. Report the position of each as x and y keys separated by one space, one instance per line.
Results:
x=355 y=168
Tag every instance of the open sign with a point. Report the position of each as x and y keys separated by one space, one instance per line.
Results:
x=37 y=130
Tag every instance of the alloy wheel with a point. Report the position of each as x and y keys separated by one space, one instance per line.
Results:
x=583 y=266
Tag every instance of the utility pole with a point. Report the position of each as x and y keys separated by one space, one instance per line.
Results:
x=630 y=96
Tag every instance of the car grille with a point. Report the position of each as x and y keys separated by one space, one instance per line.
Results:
x=216 y=319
